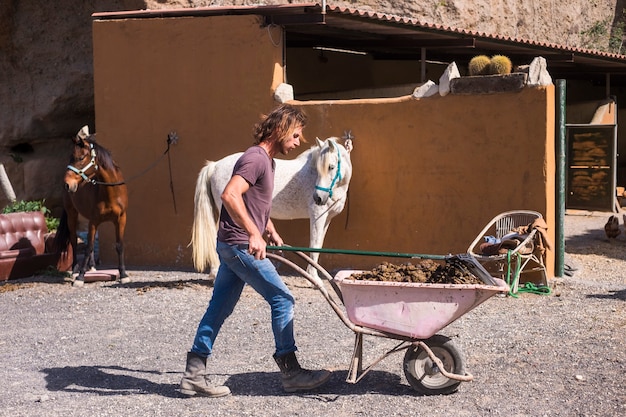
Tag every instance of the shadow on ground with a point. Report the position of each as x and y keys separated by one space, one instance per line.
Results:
x=177 y=284
x=116 y=380
x=617 y=295
x=106 y=380
x=375 y=382
x=596 y=243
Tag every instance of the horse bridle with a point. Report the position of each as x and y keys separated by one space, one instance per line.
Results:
x=337 y=178
x=82 y=172
x=92 y=163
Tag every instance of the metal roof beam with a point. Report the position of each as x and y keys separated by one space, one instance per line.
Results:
x=294 y=19
x=373 y=44
x=467 y=55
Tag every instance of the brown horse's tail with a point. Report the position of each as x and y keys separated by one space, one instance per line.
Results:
x=204 y=229
x=62 y=235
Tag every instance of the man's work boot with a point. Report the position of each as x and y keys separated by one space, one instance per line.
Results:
x=297 y=379
x=195 y=380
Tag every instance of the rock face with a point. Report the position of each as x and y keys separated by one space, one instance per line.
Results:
x=46 y=71
x=46 y=89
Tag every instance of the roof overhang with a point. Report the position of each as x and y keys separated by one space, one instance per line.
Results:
x=391 y=37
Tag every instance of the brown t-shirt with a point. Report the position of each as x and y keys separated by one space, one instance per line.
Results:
x=257 y=168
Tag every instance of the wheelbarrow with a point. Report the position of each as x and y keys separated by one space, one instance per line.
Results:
x=411 y=313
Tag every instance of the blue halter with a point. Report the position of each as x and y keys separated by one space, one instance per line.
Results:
x=91 y=163
x=337 y=177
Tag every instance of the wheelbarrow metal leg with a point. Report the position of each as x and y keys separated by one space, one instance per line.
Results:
x=356 y=365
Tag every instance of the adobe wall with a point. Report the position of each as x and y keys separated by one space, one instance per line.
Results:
x=428 y=174
x=155 y=76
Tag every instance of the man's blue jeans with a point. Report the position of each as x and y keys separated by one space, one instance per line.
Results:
x=237 y=268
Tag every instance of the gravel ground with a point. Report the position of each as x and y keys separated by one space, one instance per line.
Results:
x=119 y=350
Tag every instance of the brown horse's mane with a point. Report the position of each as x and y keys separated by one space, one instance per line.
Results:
x=103 y=155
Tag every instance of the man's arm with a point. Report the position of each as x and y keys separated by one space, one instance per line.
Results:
x=232 y=199
x=272 y=235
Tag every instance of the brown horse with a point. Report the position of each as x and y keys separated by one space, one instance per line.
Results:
x=95 y=189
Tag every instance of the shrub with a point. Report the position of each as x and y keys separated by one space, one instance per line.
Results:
x=34 y=205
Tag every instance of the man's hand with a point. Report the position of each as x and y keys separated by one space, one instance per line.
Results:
x=256 y=246
x=272 y=235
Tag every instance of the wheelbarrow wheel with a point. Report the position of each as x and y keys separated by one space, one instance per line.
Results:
x=423 y=374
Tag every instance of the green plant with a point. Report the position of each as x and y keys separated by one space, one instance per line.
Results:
x=500 y=64
x=52 y=271
x=616 y=40
x=598 y=29
x=34 y=205
x=440 y=3
x=596 y=36
x=479 y=65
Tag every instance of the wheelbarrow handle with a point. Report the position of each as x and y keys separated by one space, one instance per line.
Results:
x=358 y=252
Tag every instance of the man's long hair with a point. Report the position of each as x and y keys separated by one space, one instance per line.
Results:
x=278 y=123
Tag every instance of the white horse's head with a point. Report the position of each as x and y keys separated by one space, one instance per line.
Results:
x=334 y=170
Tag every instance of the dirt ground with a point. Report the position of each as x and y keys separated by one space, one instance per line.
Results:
x=118 y=350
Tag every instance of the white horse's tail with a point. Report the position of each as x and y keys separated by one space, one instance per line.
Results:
x=204 y=230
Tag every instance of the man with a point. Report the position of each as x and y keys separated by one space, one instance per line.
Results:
x=244 y=219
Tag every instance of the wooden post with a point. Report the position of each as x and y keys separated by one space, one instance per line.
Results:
x=6 y=186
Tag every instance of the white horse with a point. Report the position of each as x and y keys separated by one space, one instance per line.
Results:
x=314 y=185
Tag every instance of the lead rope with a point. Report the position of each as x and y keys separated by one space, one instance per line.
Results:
x=171 y=138
x=512 y=283
x=527 y=287
x=134 y=177
x=531 y=288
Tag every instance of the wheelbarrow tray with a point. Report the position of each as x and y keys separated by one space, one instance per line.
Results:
x=415 y=310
